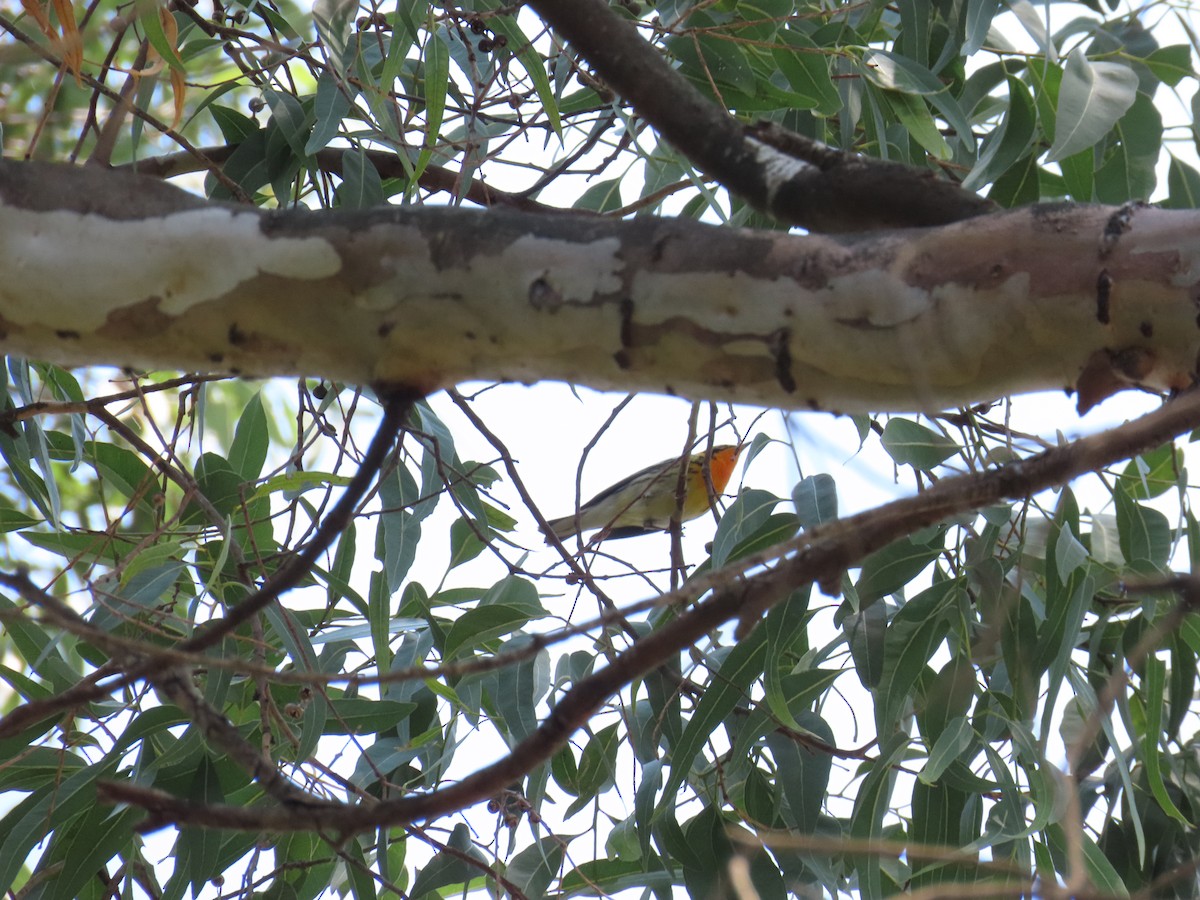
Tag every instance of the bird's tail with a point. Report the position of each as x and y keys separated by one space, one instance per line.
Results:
x=561 y=528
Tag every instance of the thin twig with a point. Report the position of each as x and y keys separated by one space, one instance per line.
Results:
x=817 y=556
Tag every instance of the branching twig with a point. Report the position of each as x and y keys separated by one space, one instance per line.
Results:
x=819 y=556
x=795 y=179
x=8 y=25
x=329 y=159
x=396 y=408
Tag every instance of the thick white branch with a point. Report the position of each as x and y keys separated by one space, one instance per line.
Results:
x=106 y=268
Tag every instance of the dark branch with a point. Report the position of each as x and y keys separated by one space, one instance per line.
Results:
x=396 y=407
x=797 y=180
x=388 y=165
x=819 y=556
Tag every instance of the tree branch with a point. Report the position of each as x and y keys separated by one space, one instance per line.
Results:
x=795 y=179
x=329 y=159
x=139 y=664
x=397 y=404
x=1091 y=299
x=820 y=556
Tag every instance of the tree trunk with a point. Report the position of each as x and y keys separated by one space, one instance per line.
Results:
x=110 y=268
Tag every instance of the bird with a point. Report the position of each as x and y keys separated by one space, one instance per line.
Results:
x=645 y=501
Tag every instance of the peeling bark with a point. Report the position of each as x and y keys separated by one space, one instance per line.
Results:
x=104 y=267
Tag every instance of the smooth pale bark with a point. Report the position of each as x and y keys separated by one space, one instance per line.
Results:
x=101 y=267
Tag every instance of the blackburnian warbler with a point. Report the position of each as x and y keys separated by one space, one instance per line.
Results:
x=645 y=501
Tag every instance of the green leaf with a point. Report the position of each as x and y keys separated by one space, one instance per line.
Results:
x=329 y=109
x=1093 y=96
x=36 y=767
x=566 y=771
x=531 y=61
x=235 y=126
x=81 y=848
x=910 y=443
x=816 y=500
x=1153 y=474
x=477 y=627
x=978 y=22
x=289 y=116
x=903 y=76
x=919 y=123
x=741 y=521
x=516 y=592
x=51 y=807
x=84 y=547
x=291 y=636
x=601 y=197
x=949 y=747
x=607 y=877
x=1100 y=872
x=220 y=484
x=913 y=635
x=397 y=540
x=706 y=876
x=1129 y=170
x=1171 y=64
x=643 y=807
x=296 y=483
x=1154 y=683
x=729 y=686
x=361 y=187
x=448 y=869
x=865 y=633
x=896 y=565
x=117 y=467
x=436 y=58
x=1079 y=174
x=803 y=772
x=361 y=715
x=1182 y=685
x=517 y=688
x=138 y=595
x=250 y=167
x=334 y=21
x=439 y=462
x=942 y=817
x=1019 y=186
x=11 y=520
x=251 y=440
x=1058 y=635
x=1069 y=554
x=34 y=488
x=894 y=72
x=711 y=57
x=785 y=626
x=1144 y=533
x=598 y=763
x=465 y=544
x=200 y=848
x=153 y=26
x=1010 y=141
x=870 y=805
x=1183 y=185
x=806 y=69
x=534 y=868
x=360 y=873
